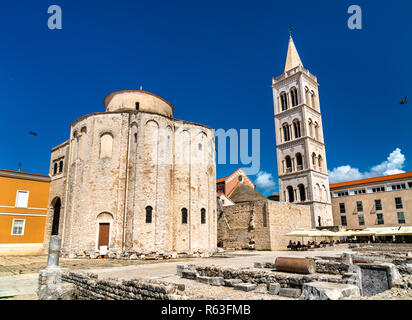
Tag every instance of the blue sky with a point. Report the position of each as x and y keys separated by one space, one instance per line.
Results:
x=214 y=62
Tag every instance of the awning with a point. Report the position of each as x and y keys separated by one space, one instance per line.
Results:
x=311 y=233
x=372 y=231
x=398 y=231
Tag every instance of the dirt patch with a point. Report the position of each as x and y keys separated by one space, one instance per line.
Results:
x=15 y=265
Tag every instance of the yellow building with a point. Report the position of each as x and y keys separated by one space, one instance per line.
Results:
x=23 y=211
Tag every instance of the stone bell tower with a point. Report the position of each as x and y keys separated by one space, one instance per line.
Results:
x=301 y=156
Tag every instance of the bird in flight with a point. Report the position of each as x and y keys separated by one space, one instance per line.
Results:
x=33 y=133
x=404 y=101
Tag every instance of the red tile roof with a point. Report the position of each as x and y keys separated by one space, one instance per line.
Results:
x=369 y=180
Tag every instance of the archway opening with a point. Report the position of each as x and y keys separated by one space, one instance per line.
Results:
x=56 y=216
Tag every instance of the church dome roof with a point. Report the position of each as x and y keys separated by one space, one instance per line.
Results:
x=137 y=100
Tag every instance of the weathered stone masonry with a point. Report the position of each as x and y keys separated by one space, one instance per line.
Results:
x=129 y=162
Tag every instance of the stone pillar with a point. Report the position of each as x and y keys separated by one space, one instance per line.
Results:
x=54 y=252
x=50 y=279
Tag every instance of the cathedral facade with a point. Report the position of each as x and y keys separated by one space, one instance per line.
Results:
x=300 y=147
x=134 y=180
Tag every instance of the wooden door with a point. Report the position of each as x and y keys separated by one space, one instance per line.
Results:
x=104 y=230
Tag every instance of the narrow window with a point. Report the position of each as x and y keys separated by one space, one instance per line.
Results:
x=288 y=164
x=299 y=161
x=284 y=101
x=302 y=192
x=398 y=203
x=294 y=95
x=106 y=145
x=313 y=97
x=296 y=127
x=314 y=160
x=18 y=227
x=320 y=162
x=310 y=128
x=401 y=218
x=343 y=220
x=342 y=207
x=137 y=105
x=55 y=168
x=379 y=217
x=61 y=166
x=286 y=132
x=203 y=216
x=22 y=199
x=149 y=210
x=307 y=96
x=361 y=220
x=290 y=194
x=359 y=206
x=378 y=204
x=184 y=216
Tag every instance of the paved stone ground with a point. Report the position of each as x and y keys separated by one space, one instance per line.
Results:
x=19 y=274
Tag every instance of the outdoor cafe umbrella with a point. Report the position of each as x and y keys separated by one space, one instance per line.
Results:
x=398 y=231
x=305 y=233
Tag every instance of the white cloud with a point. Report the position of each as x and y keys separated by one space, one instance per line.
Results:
x=392 y=165
x=264 y=180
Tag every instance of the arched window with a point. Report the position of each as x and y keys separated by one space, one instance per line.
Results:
x=320 y=162
x=310 y=128
x=296 y=127
x=317 y=131
x=55 y=168
x=307 y=96
x=314 y=160
x=61 y=166
x=284 y=101
x=203 y=216
x=75 y=146
x=302 y=193
x=288 y=161
x=294 y=96
x=149 y=214
x=325 y=193
x=319 y=192
x=299 y=161
x=56 y=216
x=82 y=153
x=184 y=216
x=290 y=194
x=313 y=99
x=106 y=145
x=286 y=132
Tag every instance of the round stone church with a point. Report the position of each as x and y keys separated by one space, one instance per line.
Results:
x=134 y=181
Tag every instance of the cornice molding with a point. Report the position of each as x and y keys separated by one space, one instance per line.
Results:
x=24 y=175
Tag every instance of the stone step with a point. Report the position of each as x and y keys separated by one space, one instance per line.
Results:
x=245 y=286
x=290 y=292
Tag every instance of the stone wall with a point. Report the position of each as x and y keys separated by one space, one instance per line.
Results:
x=257 y=276
x=261 y=225
x=89 y=287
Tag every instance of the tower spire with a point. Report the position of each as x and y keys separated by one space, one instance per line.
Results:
x=292 y=58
